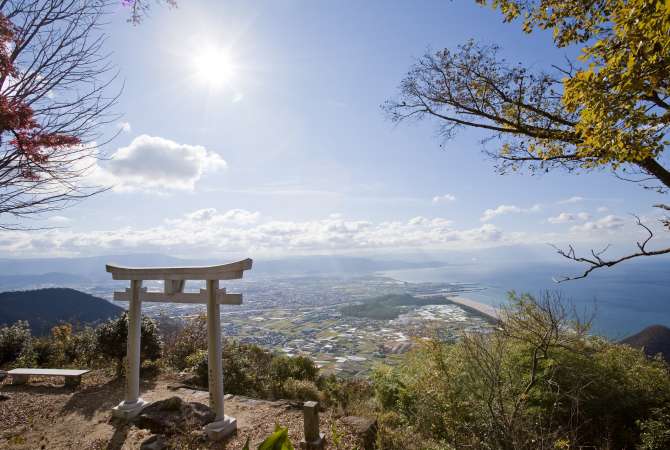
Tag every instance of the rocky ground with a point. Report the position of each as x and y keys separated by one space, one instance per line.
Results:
x=46 y=415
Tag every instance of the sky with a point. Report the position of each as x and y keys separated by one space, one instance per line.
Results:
x=255 y=129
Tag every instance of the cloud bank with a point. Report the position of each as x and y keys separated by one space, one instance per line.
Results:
x=212 y=232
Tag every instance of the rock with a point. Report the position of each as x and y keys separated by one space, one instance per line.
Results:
x=4 y=397
x=154 y=442
x=173 y=415
x=3 y=375
x=364 y=428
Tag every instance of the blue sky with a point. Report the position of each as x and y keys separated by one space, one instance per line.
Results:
x=291 y=153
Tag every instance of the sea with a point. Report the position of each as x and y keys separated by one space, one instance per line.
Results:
x=620 y=300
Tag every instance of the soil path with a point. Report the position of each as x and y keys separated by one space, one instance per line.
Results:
x=42 y=415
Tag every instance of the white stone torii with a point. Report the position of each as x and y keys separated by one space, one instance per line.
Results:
x=174 y=279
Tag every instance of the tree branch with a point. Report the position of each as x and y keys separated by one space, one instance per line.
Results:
x=595 y=261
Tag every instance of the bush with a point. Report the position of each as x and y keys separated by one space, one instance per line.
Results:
x=348 y=395
x=61 y=340
x=65 y=348
x=185 y=341
x=250 y=370
x=655 y=431
x=44 y=352
x=200 y=365
x=15 y=340
x=395 y=433
x=245 y=368
x=82 y=348
x=539 y=381
x=296 y=367
x=27 y=357
x=112 y=336
x=302 y=390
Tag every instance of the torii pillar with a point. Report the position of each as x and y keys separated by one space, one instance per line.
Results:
x=174 y=279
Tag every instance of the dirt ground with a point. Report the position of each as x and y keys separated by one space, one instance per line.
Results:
x=46 y=415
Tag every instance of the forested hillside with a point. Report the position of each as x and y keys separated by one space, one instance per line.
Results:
x=44 y=308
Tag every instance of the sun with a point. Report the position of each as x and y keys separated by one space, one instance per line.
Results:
x=214 y=66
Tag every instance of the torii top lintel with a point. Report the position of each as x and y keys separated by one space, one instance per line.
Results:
x=230 y=271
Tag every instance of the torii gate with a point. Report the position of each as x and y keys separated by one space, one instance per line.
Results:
x=174 y=279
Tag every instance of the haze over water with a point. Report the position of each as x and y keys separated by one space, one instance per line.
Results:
x=624 y=299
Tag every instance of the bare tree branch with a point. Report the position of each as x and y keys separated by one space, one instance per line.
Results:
x=595 y=261
x=59 y=71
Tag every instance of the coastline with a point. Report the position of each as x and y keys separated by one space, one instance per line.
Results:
x=476 y=307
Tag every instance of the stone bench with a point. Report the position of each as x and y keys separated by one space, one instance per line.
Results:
x=72 y=376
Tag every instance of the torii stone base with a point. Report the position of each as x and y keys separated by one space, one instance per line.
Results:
x=221 y=429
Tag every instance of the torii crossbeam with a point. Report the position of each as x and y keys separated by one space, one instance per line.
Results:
x=173 y=292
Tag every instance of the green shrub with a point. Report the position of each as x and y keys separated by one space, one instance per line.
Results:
x=15 y=340
x=395 y=433
x=252 y=371
x=200 y=365
x=63 y=348
x=183 y=342
x=61 y=341
x=246 y=369
x=112 y=336
x=296 y=367
x=82 y=348
x=655 y=431
x=27 y=358
x=539 y=381
x=302 y=390
x=347 y=394
x=195 y=359
x=44 y=351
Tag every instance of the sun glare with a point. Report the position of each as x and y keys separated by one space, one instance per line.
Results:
x=213 y=66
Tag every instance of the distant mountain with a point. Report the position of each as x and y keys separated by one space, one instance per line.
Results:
x=44 y=308
x=654 y=339
x=51 y=279
x=334 y=265
x=92 y=269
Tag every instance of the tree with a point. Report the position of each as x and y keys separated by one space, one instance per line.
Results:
x=112 y=340
x=55 y=82
x=610 y=108
x=140 y=8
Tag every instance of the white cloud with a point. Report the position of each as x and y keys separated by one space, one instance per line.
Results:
x=124 y=126
x=565 y=217
x=575 y=199
x=207 y=232
x=502 y=209
x=211 y=217
x=60 y=220
x=155 y=164
x=607 y=223
x=446 y=198
x=602 y=209
x=507 y=209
